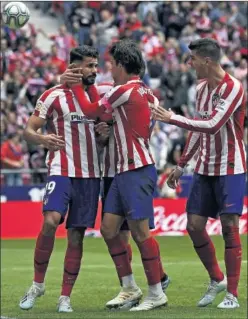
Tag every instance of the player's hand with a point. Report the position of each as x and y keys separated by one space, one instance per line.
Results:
x=160 y=114
x=102 y=129
x=53 y=142
x=71 y=76
x=173 y=178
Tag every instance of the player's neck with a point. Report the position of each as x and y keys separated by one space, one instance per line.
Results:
x=216 y=76
x=131 y=77
x=125 y=78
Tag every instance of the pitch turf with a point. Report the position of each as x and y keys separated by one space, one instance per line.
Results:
x=98 y=283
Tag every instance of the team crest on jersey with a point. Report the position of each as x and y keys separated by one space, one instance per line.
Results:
x=215 y=99
x=45 y=200
x=41 y=108
x=38 y=106
x=78 y=118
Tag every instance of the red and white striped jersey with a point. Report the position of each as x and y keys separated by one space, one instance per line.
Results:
x=130 y=108
x=217 y=130
x=132 y=118
x=110 y=157
x=64 y=116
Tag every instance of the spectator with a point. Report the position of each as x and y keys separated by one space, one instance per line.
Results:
x=12 y=157
x=240 y=72
x=105 y=32
x=160 y=146
x=55 y=60
x=82 y=18
x=63 y=41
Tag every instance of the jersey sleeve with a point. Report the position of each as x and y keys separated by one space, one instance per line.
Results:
x=229 y=101
x=191 y=147
x=118 y=96
x=44 y=105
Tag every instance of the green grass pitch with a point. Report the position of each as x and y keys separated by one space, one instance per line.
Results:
x=98 y=282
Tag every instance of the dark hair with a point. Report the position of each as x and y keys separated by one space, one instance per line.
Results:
x=143 y=69
x=127 y=53
x=207 y=48
x=79 y=53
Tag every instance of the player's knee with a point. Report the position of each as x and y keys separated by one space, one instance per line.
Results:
x=125 y=236
x=107 y=232
x=140 y=236
x=51 y=222
x=194 y=226
x=229 y=220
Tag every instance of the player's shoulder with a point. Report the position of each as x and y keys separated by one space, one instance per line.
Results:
x=232 y=81
x=52 y=93
x=104 y=87
x=119 y=90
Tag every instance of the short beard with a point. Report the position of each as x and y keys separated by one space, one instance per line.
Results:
x=88 y=81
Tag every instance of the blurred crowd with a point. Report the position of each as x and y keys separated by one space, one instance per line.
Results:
x=163 y=31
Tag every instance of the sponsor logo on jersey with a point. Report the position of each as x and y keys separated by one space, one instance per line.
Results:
x=79 y=118
x=221 y=104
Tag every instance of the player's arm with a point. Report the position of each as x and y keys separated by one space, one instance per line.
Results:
x=227 y=105
x=36 y=121
x=190 y=149
x=102 y=133
x=192 y=145
x=71 y=76
x=49 y=141
x=116 y=97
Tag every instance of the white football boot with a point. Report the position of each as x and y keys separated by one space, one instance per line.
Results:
x=213 y=289
x=151 y=303
x=28 y=300
x=64 y=304
x=229 y=302
x=126 y=299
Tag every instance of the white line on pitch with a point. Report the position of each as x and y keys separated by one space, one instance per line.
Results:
x=92 y=266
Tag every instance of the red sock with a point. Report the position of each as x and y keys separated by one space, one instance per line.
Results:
x=72 y=265
x=150 y=258
x=129 y=252
x=130 y=256
x=43 y=251
x=161 y=269
x=206 y=252
x=119 y=254
x=233 y=257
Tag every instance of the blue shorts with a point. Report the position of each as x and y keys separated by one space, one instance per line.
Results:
x=131 y=193
x=78 y=196
x=107 y=181
x=211 y=196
